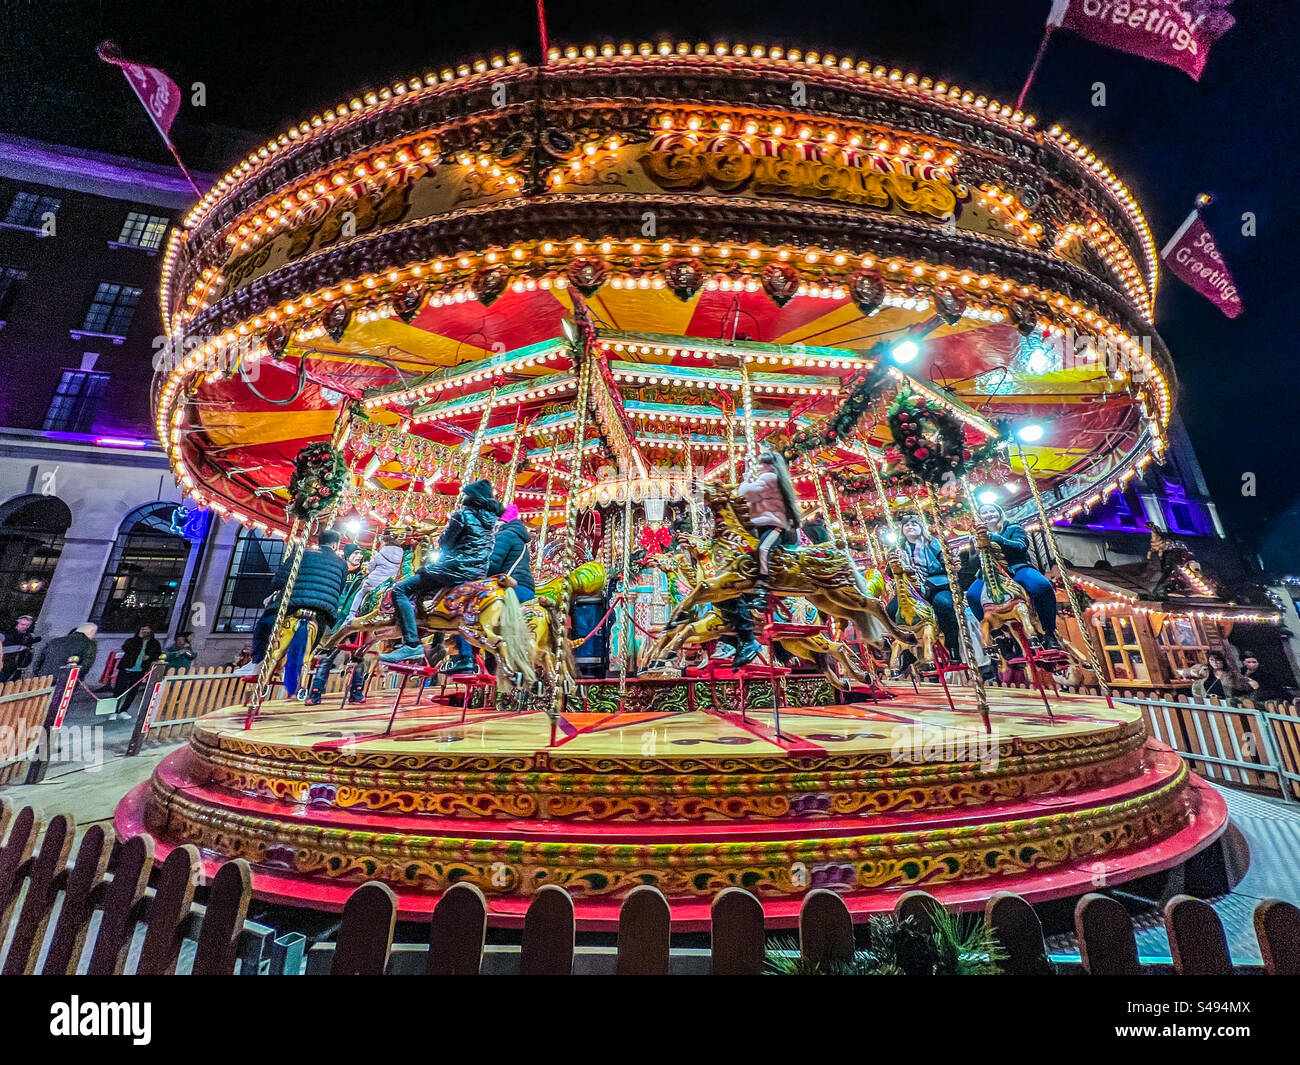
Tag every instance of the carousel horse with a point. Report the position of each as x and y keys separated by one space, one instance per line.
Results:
x=528 y=642
x=817 y=648
x=824 y=576
x=914 y=614
x=1005 y=601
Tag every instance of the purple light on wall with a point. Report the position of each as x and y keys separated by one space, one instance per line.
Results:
x=119 y=441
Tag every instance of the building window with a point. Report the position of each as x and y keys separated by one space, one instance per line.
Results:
x=31 y=539
x=1184 y=644
x=1180 y=518
x=144 y=571
x=9 y=278
x=28 y=210
x=143 y=230
x=252 y=566
x=76 y=401
x=112 y=309
x=1123 y=652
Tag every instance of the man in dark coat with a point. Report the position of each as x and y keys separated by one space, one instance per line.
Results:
x=464 y=549
x=1014 y=542
x=138 y=653
x=79 y=643
x=18 y=640
x=318 y=587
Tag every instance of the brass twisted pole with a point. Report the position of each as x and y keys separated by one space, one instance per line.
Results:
x=1085 y=629
x=626 y=639
x=476 y=445
x=546 y=505
x=571 y=511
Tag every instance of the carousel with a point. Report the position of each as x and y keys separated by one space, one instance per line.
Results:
x=788 y=363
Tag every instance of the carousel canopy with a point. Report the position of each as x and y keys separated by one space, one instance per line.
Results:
x=748 y=231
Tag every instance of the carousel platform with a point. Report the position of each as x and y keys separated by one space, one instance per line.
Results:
x=870 y=799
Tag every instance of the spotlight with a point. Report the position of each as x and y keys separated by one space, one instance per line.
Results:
x=904 y=351
x=988 y=496
x=1030 y=432
x=352 y=527
x=889 y=536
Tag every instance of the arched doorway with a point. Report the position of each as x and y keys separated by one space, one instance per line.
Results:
x=32 y=528
x=144 y=571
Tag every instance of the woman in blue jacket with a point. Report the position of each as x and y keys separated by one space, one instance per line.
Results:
x=924 y=556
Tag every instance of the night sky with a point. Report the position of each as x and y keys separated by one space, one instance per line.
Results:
x=1232 y=134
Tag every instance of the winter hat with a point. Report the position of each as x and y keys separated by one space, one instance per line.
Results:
x=479 y=493
x=510 y=513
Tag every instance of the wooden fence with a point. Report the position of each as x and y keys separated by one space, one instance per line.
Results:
x=1241 y=745
x=150 y=922
x=173 y=700
x=23 y=704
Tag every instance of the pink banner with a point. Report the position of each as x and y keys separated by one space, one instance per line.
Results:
x=1176 y=32
x=1192 y=255
x=159 y=95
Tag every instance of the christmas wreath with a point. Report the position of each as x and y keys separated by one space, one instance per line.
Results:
x=318 y=477
x=844 y=422
x=931 y=440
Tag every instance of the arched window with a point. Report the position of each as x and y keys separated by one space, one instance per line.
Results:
x=144 y=572
x=31 y=540
x=252 y=565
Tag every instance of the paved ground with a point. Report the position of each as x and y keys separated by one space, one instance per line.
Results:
x=1272 y=828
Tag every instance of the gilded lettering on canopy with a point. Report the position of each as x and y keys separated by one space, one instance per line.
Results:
x=678 y=161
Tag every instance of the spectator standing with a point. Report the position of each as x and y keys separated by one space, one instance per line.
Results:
x=79 y=644
x=179 y=653
x=138 y=653
x=18 y=640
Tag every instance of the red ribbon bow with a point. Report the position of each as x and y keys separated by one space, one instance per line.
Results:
x=657 y=540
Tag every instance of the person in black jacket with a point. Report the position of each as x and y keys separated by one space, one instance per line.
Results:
x=54 y=654
x=464 y=549
x=1014 y=542
x=318 y=587
x=138 y=653
x=18 y=640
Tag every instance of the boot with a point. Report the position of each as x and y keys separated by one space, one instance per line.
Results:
x=747 y=653
x=459 y=664
x=357 y=690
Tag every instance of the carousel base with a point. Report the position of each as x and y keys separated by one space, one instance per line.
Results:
x=869 y=799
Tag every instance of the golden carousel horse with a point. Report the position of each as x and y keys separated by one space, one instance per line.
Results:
x=915 y=614
x=528 y=642
x=824 y=576
x=817 y=648
x=1005 y=601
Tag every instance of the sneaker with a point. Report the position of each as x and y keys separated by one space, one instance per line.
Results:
x=746 y=654
x=313 y=699
x=723 y=652
x=248 y=669
x=406 y=653
x=459 y=664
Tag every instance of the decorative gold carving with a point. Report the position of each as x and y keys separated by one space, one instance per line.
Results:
x=683 y=161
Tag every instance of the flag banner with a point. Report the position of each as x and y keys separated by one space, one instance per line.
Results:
x=1193 y=256
x=159 y=95
x=1176 y=32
